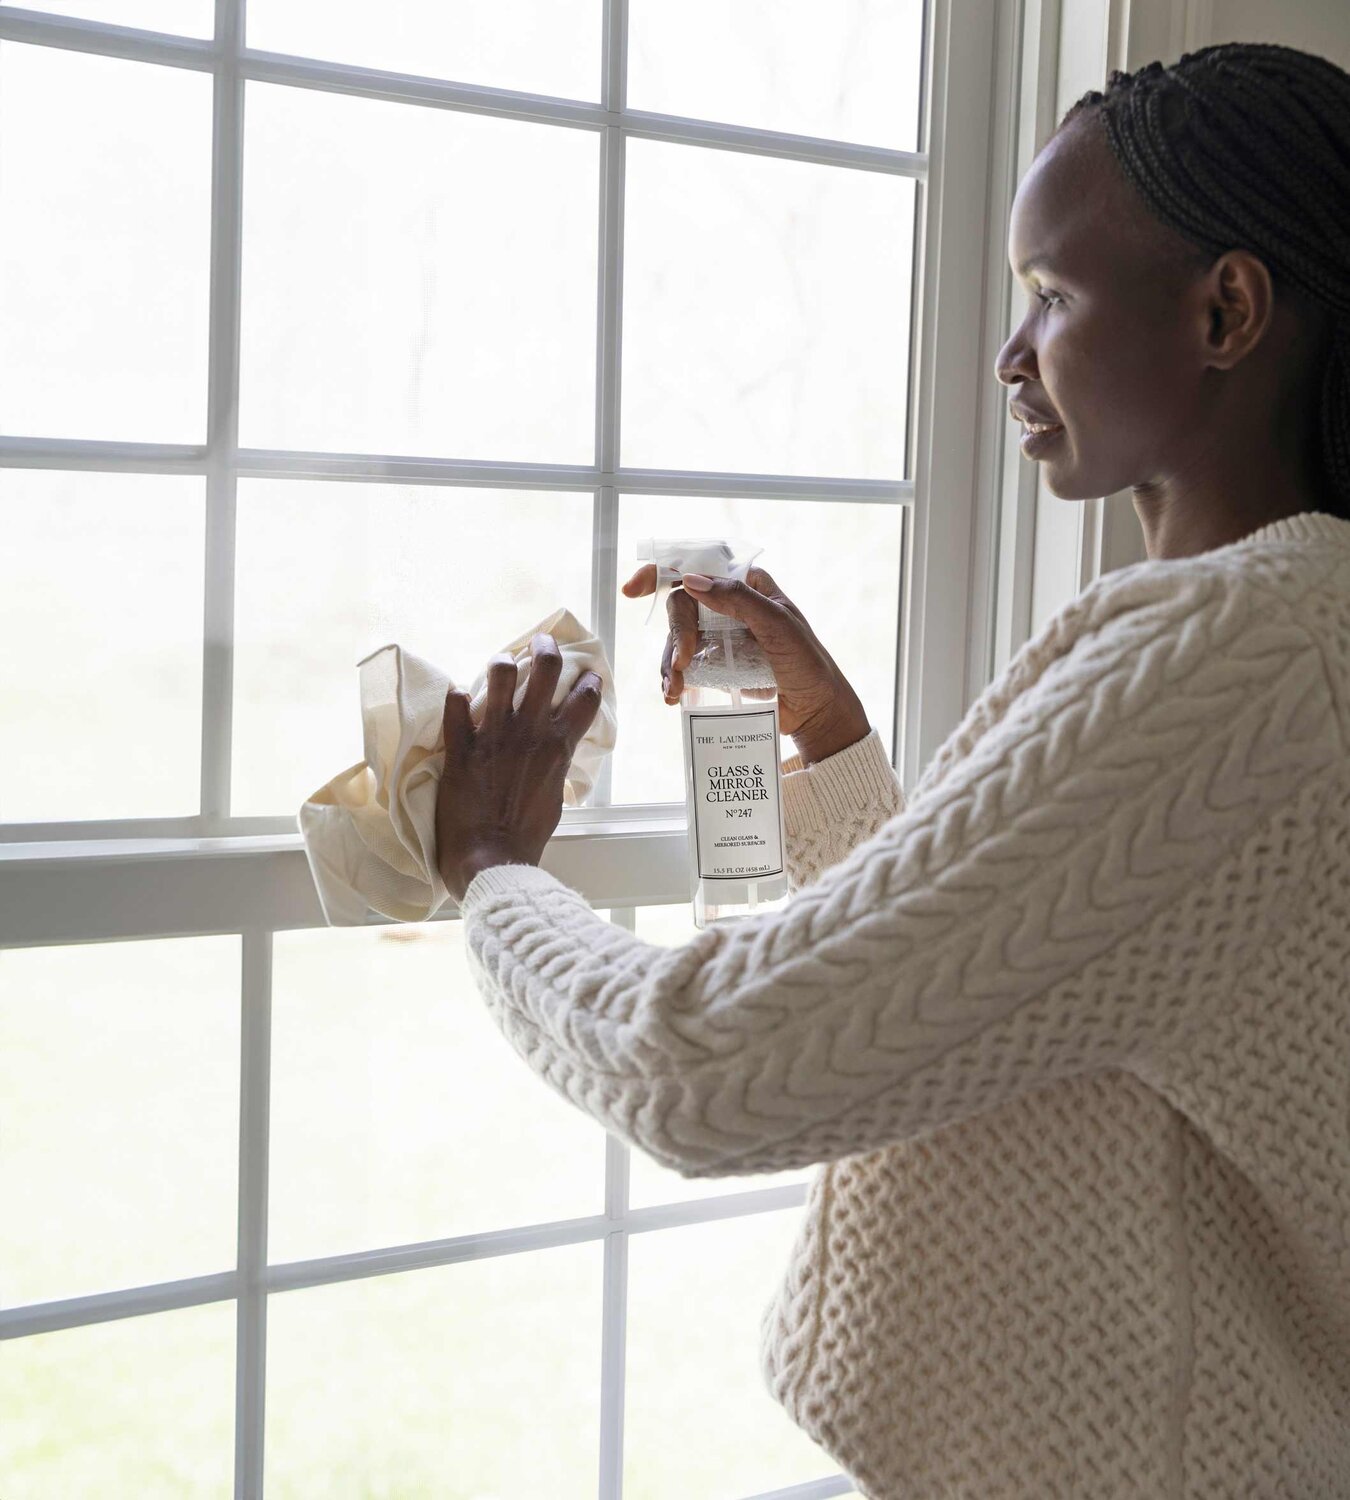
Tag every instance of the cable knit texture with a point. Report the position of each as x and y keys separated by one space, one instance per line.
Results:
x=1068 y=1031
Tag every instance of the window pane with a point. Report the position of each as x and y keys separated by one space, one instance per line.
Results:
x=400 y=1112
x=328 y=572
x=766 y=314
x=105 y=177
x=466 y=1382
x=416 y=281
x=838 y=562
x=648 y=1181
x=538 y=46
x=848 y=71
x=695 y=1298
x=119 y=1068
x=178 y=17
x=101 y=620
x=143 y=1407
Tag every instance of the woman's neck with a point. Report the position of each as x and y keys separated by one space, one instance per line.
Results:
x=1222 y=493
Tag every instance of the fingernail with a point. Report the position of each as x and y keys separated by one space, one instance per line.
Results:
x=697 y=582
x=665 y=686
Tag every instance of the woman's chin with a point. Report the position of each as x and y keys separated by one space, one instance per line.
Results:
x=1063 y=477
x=1065 y=484
x=1060 y=485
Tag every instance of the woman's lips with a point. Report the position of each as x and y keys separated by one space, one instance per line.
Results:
x=1039 y=436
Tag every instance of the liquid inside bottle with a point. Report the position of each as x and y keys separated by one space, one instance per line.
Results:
x=733 y=790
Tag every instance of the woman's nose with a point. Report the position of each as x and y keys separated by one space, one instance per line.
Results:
x=1015 y=362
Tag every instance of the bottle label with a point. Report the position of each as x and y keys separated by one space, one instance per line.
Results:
x=736 y=811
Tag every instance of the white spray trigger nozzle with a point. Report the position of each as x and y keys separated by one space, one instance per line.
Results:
x=714 y=557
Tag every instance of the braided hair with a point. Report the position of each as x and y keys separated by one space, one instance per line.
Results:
x=1246 y=145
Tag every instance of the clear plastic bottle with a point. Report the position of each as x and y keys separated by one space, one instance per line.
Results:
x=729 y=725
x=732 y=776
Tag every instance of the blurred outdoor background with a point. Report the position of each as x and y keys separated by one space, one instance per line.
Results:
x=399 y=1114
x=415 y=281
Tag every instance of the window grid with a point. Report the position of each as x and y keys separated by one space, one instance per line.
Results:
x=221 y=461
x=253 y=1280
x=222 y=409
x=255 y=1091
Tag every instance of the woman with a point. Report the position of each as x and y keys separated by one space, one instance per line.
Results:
x=1068 y=1027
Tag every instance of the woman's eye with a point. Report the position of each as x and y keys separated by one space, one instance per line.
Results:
x=1051 y=299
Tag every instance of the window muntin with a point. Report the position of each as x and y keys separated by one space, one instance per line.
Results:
x=234 y=885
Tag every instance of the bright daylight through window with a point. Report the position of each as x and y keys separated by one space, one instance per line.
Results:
x=323 y=326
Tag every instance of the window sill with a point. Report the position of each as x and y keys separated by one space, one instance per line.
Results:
x=581 y=824
x=93 y=889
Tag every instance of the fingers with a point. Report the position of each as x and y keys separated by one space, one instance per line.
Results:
x=545 y=669
x=642 y=582
x=578 y=709
x=759 y=579
x=757 y=603
x=456 y=725
x=672 y=677
x=574 y=714
x=683 y=612
x=729 y=596
x=501 y=689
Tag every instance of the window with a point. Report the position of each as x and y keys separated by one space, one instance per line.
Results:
x=324 y=326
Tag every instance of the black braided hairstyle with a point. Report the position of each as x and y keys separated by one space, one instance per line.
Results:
x=1246 y=145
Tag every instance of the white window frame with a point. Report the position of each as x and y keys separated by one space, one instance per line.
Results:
x=1050 y=549
x=75 y=882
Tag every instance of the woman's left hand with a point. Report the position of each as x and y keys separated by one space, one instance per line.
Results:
x=501 y=793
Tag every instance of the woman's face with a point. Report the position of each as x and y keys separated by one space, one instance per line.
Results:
x=1108 y=347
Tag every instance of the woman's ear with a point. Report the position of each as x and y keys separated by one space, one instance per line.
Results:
x=1239 y=299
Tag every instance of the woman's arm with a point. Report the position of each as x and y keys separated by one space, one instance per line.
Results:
x=1055 y=904
x=832 y=805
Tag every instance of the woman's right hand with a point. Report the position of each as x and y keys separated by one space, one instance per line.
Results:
x=816 y=704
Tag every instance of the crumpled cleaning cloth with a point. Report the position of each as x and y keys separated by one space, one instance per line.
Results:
x=370 y=832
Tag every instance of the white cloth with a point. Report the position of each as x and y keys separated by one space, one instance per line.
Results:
x=370 y=832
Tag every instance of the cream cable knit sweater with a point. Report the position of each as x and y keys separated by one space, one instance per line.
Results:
x=1069 y=1032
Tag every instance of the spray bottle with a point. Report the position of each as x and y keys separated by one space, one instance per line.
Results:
x=729 y=727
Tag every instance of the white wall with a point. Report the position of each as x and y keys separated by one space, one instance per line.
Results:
x=1321 y=26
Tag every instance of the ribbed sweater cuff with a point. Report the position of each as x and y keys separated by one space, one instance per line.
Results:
x=823 y=794
x=506 y=880
x=834 y=789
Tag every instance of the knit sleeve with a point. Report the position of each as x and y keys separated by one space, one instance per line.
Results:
x=1072 y=894
x=832 y=805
